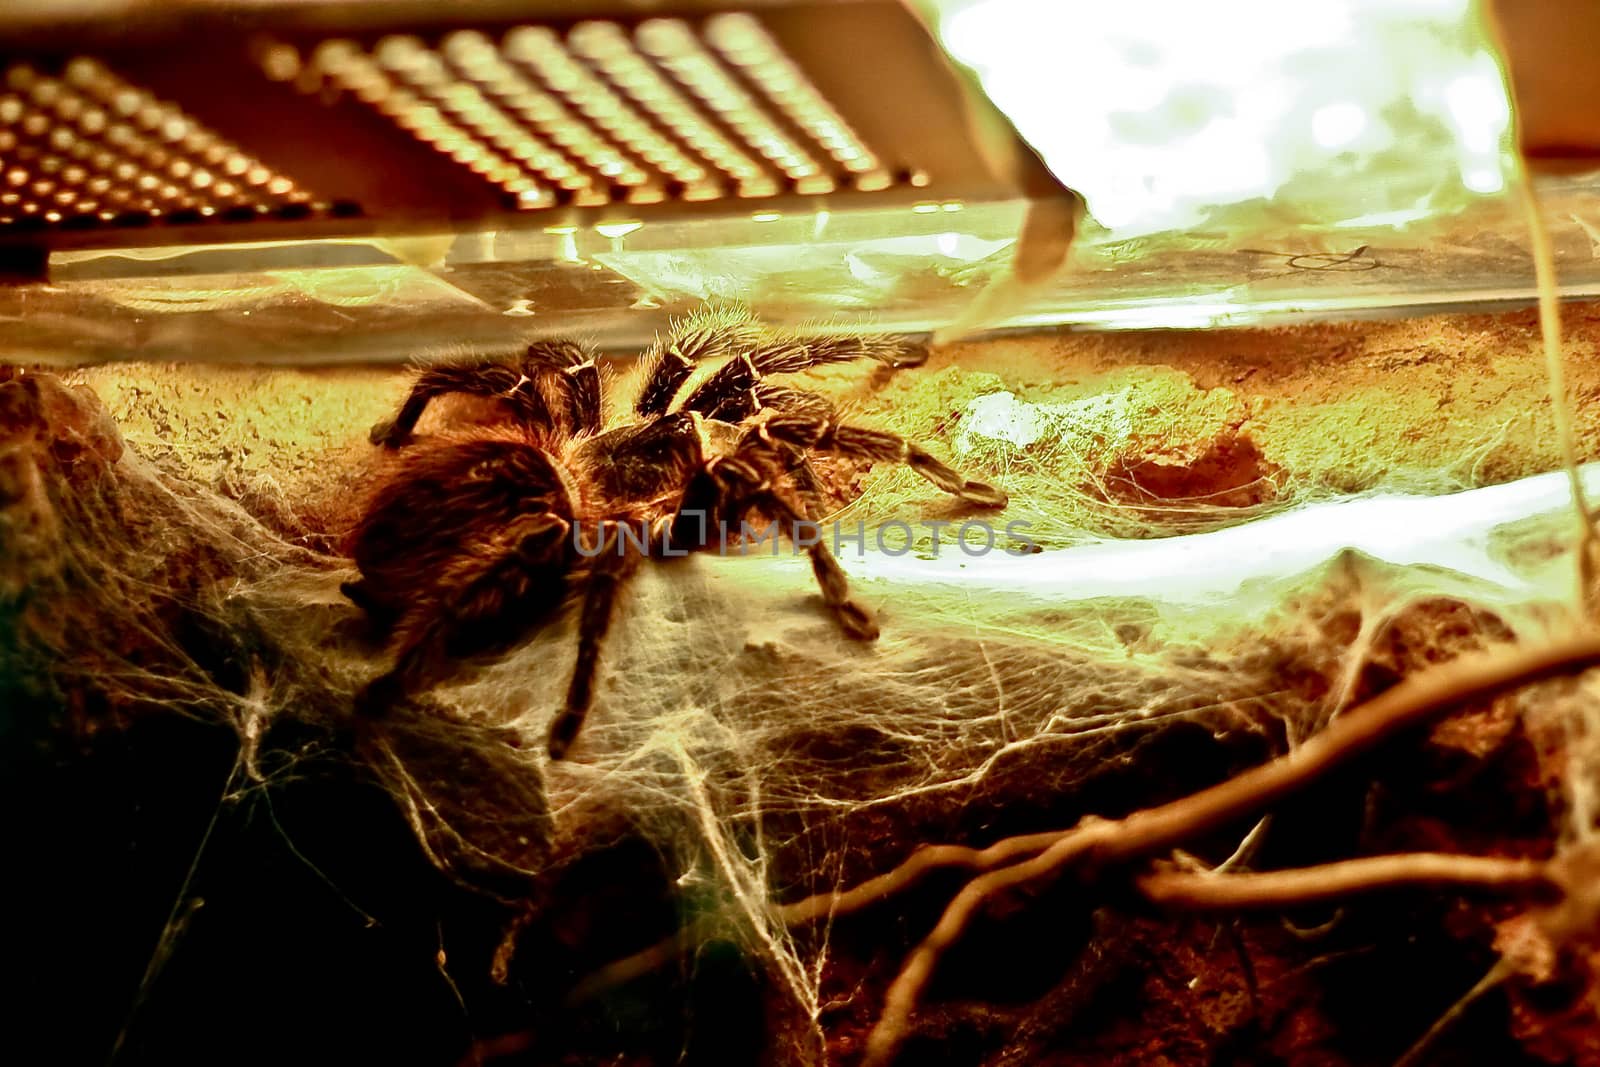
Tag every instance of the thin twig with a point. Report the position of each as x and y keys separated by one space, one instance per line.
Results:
x=1333 y=881
x=922 y=862
x=822 y=905
x=1495 y=975
x=1247 y=847
x=1413 y=701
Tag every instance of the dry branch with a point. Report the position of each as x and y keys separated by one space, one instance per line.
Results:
x=1209 y=890
x=823 y=905
x=1413 y=701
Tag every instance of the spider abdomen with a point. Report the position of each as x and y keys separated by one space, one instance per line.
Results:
x=447 y=500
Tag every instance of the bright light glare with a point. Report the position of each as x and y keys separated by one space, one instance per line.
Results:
x=1484 y=180
x=1002 y=417
x=1336 y=125
x=1459 y=533
x=1479 y=110
x=1162 y=112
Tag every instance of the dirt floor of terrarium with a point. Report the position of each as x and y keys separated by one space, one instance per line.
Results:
x=215 y=865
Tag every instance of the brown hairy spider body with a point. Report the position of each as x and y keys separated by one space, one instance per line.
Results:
x=483 y=534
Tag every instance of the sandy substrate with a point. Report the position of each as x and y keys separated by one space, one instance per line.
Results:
x=1142 y=433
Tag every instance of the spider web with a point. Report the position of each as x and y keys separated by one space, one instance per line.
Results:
x=764 y=756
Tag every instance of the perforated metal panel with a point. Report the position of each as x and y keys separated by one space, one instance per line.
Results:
x=601 y=114
x=85 y=148
x=359 y=118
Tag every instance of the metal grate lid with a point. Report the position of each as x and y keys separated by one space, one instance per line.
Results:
x=600 y=114
x=87 y=147
x=281 y=126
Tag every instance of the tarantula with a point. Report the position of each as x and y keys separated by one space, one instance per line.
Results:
x=482 y=534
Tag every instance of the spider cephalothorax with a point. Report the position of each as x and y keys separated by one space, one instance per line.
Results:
x=482 y=534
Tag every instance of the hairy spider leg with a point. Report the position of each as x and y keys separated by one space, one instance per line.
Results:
x=786 y=355
x=725 y=488
x=518 y=384
x=671 y=443
x=580 y=378
x=617 y=560
x=792 y=401
x=734 y=392
x=583 y=397
x=824 y=435
x=703 y=336
x=380 y=616
x=475 y=379
x=745 y=490
x=484 y=600
x=798 y=464
x=808 y=486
